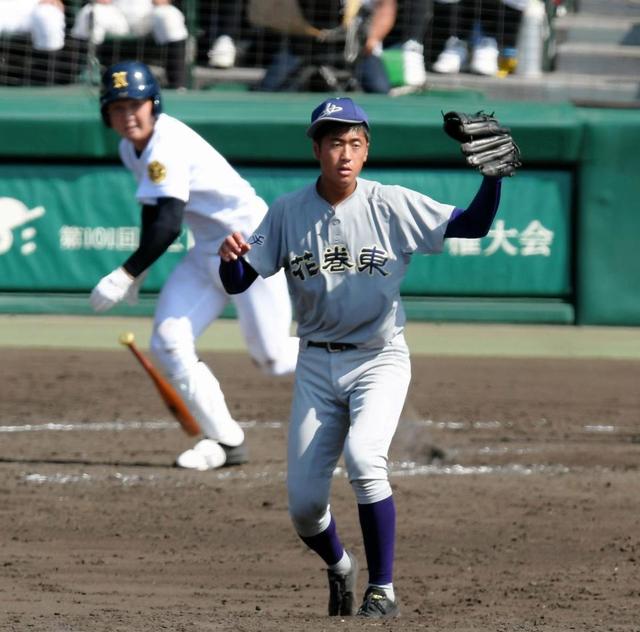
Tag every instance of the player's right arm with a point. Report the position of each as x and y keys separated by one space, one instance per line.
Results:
x=233 y=247
x=263 y=250
x=235 y=273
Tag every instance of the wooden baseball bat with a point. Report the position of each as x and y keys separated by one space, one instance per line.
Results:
x=169 y=394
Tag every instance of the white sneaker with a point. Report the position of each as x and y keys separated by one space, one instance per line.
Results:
x=207 y=454
x=452 y=58
x=413 y=63
x=485 y=57
x=222 y=53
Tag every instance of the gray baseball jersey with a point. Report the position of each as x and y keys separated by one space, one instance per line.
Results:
x=344 y=265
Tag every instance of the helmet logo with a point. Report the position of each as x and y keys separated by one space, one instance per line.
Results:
x=120 y=80
x=157 y=171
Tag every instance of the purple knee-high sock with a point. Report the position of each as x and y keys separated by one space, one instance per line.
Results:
x=378 y=524
x=326 y=544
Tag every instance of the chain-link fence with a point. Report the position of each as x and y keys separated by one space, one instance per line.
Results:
x=280 y=45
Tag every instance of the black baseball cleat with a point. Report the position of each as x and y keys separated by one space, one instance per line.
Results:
x=341 y=590
x=236 y=455
x=376 y=605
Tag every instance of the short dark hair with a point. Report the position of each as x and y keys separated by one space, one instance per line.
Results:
x=330 y=127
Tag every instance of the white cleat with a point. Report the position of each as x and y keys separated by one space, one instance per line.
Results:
x=205 y=455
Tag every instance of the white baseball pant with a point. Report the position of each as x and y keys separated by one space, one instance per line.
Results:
x=352 y=401
x=191 y=299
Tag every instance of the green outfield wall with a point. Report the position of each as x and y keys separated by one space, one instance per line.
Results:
x=561 y=250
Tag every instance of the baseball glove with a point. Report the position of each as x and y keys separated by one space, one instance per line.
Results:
x=485 y=143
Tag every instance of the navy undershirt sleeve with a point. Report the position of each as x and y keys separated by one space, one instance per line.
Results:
x=161 y=225
x=475 y=221
x=236 y=276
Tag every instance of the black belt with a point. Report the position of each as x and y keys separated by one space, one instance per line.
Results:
x=332 y=347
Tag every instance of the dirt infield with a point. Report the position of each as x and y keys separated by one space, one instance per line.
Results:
x=517 y=485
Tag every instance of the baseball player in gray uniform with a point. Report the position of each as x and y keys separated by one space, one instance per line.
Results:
x=345 y=244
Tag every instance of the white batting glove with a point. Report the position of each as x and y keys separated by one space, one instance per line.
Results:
x=110 y=290
x=131 y=297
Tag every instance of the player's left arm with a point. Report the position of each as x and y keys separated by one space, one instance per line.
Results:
x=475 y=221
x=161 y=224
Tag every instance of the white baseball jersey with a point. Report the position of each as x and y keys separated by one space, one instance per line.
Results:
x=344 y=265
x=179 y=163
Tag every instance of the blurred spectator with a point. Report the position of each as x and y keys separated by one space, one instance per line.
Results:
x=346 y=38
x=478 y=35
x=44 y=22
x=101 y=19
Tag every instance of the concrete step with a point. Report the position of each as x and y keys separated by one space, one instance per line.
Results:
x=597 y=29
x=629 y=8
x=607 y=90
x=598 y=59
x=617 y=91
x=206 y=77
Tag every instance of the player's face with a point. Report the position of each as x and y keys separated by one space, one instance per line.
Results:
x=342 y=155
x=132 y=119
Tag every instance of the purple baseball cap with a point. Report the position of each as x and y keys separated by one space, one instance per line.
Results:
x=339 y=109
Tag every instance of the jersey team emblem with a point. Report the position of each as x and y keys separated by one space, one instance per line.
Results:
x=157 y=171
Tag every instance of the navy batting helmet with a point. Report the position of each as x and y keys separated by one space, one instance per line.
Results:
x=129 y=80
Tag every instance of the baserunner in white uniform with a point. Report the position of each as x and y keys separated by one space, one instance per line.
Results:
x=345 y=244
x=182 y=178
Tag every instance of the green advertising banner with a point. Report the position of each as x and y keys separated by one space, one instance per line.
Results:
x=64 y=227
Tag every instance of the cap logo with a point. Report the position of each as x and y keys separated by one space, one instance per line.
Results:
x=120 y=80
x=331 y=108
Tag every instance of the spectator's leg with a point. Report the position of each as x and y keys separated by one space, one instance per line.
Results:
x=47 y=27
x=47 y=36
x=95 y=21
x=278 y=77
x=71 y=59
x=224 y=49
x=509 y=26
x=450 y=31
x=444 y=24
x=414 y=19
x=371 y=75
x=177 y=64
x=42 y=68
x=413 y=29
x=488 y=17
x=168 y=27
x=508 y=39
